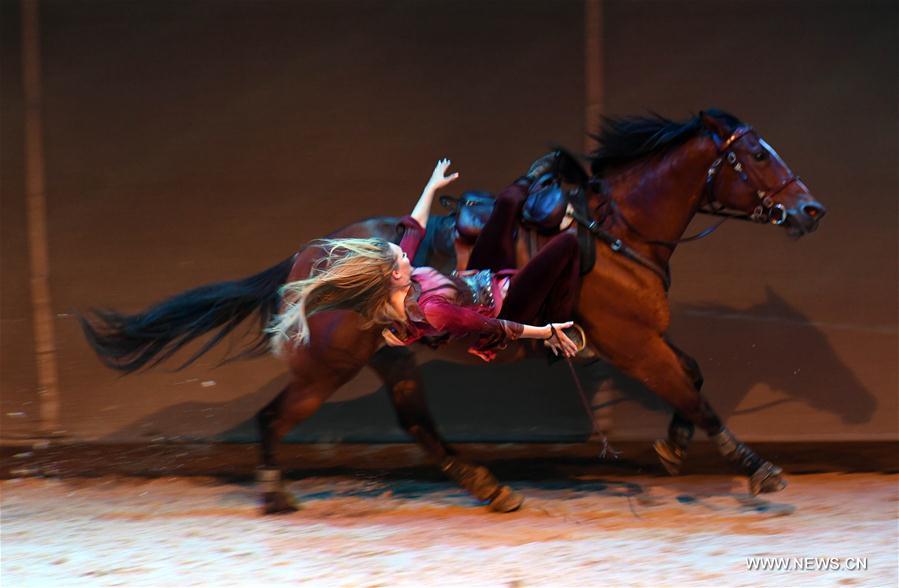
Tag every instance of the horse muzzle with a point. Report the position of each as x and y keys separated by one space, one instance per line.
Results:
x=802 y=219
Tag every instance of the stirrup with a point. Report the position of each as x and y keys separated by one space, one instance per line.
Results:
x=576 y=334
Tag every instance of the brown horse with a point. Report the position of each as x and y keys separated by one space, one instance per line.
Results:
x=650 y=177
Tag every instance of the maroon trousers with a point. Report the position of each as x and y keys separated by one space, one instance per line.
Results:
x=543 y=291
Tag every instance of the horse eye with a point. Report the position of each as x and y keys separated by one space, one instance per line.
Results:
x=760 y=155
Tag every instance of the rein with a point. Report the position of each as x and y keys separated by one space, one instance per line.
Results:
x=670 y=244
x=607 y=449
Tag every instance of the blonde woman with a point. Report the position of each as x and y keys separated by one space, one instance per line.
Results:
x=492 y=301
x=341 y=299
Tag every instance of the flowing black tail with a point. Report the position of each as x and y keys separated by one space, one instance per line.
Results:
x=130 y=342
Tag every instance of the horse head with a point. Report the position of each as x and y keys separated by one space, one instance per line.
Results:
x=749 y=180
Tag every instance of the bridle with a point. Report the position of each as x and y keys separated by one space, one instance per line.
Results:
x=767 y=210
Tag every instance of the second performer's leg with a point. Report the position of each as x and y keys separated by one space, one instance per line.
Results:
x=495 y=247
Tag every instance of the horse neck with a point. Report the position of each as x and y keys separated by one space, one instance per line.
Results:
x=659 y=196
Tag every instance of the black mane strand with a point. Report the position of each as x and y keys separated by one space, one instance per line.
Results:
x=625 y=139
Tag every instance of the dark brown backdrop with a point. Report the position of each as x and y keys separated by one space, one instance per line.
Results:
x=189 y=142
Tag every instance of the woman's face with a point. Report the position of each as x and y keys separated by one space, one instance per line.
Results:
x=402 y=270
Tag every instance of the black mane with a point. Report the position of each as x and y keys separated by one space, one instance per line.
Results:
x=622 y=140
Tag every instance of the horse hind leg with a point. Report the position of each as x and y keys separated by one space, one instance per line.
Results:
x=337 y=350
x=397 y=369
x=297 y=402
x=293 y=405
x=275 y=499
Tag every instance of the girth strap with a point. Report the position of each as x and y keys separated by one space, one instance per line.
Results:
x=620 y=247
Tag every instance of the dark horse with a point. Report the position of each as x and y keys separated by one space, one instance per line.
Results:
x=650 y=176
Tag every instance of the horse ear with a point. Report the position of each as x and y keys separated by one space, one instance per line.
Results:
x=772 y=298
x=570 y=168
x=712 y=124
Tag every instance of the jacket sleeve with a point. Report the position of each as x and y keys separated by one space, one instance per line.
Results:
x=412 y=236
x=459 y=322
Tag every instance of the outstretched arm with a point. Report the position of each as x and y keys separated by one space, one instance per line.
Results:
x=438 y=180
x=460 y=321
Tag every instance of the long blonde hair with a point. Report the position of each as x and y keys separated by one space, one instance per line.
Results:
x=352 y=274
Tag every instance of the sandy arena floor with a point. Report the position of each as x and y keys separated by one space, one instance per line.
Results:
x=368 y=531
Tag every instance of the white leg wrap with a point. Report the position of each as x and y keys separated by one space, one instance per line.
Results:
x=268 y=479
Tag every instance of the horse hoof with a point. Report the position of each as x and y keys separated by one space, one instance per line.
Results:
x=478 y=480
x=278 y=503
x=507 y=500
x=768 y=478
x=671 y=457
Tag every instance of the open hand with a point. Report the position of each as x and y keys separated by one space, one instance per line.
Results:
x=439 y=179
x=559 y=341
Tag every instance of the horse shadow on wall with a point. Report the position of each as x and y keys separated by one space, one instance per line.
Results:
x=771 y=343
x=775 y=344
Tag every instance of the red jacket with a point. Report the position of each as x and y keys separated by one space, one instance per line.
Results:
x=441 y=306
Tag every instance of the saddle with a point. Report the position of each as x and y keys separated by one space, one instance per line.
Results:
x=546 y=212
x=470 y=212
x=546 y=207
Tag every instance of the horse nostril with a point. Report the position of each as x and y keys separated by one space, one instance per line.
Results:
x=815 y=211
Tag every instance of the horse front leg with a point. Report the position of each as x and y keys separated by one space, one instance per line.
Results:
x=662 y=370
x=673 y=451
x=397 y=369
